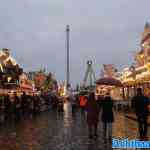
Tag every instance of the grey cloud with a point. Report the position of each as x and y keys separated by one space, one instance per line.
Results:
x=105 y=31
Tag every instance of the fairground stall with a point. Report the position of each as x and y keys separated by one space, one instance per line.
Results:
x=133 y=80
x=111 y=85
x=12 y=78
x=138 y=74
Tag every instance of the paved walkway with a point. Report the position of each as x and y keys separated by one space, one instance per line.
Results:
x=60 y=131
x=133 y=117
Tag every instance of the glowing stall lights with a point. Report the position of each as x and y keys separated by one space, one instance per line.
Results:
x=65 y=91
x=6 y=58
x=9 y=79
x=148 y=66
x=10 y=59
x=62 y=90
x=1 y=67
x=103 y=89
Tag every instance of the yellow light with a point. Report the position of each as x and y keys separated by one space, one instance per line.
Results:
x=148 y=66
x=1 y=67
x=141 y=56
x=9 y=79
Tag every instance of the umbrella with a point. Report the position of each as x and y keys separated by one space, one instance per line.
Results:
x=109 y=81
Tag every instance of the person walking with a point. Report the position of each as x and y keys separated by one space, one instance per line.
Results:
x=35 y=105
x=83 y=103
x=17 y=107
x=24 y=103
x=7 y=105
x=67 y=107
x=73 y=104
x=107 y=116
x=92 y=115
x=140 y=105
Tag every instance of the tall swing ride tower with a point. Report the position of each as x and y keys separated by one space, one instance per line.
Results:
x=68 y=65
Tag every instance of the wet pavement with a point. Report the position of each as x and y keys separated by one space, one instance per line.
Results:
x=60 y=131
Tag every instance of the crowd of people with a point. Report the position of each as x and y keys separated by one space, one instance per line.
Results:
x=93 y=106
x=14 y=107
x=17 y=108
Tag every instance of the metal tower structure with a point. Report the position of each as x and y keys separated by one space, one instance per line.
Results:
x=68 y=69
x=89 y=79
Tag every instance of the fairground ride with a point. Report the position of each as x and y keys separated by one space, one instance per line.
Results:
x=89 y=78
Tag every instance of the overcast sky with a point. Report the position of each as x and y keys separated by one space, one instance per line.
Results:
x=105 y=31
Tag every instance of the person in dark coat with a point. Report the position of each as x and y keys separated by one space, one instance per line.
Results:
x=92 y=115
x=30 y=105
x=107 y=116
x=24 y=103
x=140 y=105
x=7 y=105
x=35 y=105
x=17 y=109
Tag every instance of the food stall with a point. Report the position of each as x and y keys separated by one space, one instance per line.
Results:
x=111 y=85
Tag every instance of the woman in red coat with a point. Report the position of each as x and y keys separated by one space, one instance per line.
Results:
x=92 y=115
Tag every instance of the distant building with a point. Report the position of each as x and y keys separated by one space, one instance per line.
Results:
x=39 y=80
x=43 y=81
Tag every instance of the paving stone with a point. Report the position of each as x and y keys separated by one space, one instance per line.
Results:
x=53 y=131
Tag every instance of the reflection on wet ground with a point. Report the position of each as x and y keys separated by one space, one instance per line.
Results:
x=60 y=131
